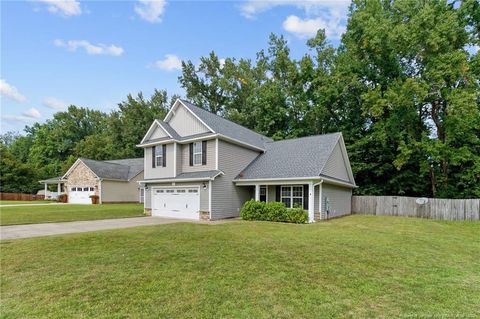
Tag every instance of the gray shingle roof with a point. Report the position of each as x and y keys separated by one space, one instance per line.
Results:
x=192 y=175
x=169 y=129
x=300 y=157
x=121 y=169
x=228 y=128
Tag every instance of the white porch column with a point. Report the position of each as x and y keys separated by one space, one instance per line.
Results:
x=311 y=202
x=58 y=189
x=46 y=189
x=320 y=186
x=257 y=192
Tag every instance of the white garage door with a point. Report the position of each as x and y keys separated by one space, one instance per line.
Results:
x=176 y=202
x=80 y=195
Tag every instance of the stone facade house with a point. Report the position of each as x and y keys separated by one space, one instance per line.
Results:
x=113 y=181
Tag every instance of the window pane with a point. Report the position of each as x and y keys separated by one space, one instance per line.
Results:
x=73 y=189
x=197 y=147
x=91 y=189
x=263 y=191
x=286 y=191
x=159 y=150
x=286 y=201
x=197 y=159
x=159 y=161
x=298 y=191
x=85 y=189
x=298 y=202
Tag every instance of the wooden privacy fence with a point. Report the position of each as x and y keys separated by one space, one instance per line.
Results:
x=433 y=208
x=20 y=196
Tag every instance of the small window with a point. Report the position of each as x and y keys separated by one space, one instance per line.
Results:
x=85 y=189
x=180 y=191
x=193 y=190
x=92 y=189
x=197 y=153
x=159 y=191
x=170 y=190
x=159 y=156
x=263 y=193
x=73 y=189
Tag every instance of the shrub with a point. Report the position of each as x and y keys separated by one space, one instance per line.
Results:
x=62 y=198
x=272 y=211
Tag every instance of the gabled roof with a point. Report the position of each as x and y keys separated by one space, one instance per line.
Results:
x=227 y=128
x=293 y=158
x=122 y=169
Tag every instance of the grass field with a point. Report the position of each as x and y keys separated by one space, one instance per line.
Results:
x=68 y=212
x=14 y=202
x=357 y=267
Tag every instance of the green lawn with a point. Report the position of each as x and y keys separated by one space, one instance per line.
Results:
x=67 y=212
x=13 y=202
x=357 y=266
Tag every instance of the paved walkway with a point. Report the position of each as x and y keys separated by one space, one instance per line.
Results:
x=47 y=229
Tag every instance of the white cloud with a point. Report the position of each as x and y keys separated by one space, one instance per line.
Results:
x=64 y=7
x=150 y=10
x=11 y=92
x=54 y=103
x=99 y=49
x=170 y=63
x=222 y=62
x=330 y=15
x=16 y=118
x=305 y=28
x=32 y=113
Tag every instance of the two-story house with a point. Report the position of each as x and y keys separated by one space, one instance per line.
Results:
x=199 y=165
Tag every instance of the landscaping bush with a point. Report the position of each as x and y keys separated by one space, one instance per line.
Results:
x=62 y=198
x=272 y=211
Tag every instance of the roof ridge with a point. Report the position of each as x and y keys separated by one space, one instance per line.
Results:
x=221 y=117
x=304 y=137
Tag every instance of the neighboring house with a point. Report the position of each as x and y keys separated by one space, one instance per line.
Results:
x=201 y=166
x=113 y=181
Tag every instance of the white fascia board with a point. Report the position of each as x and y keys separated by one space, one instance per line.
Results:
x=152 y=127
x=346 y=159
x=275 y=181
x=235 y=141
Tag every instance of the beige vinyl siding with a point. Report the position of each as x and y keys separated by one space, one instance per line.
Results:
x=121 y=191
x=340 y=199
x=159 y=172
x=203 y=192
x=157 y=133
x=226 y=197
x=335 y=165
x=185 y=158
x=185 y=123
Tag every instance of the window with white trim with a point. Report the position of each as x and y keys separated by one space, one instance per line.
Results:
x=159 y=156
x=197 y=153
x=292 y=196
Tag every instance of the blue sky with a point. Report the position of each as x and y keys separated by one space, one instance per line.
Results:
x=93 y=53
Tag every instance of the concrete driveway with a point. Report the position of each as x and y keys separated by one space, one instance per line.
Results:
x=47 y=229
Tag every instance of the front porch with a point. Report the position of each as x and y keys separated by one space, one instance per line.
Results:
x=306 y=194
x=59 y=181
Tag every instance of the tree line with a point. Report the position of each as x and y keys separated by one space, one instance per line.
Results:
x=403 y=87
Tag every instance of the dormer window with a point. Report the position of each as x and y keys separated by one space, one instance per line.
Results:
x=197 y=153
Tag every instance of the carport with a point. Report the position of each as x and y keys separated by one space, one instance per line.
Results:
x=59 y=181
